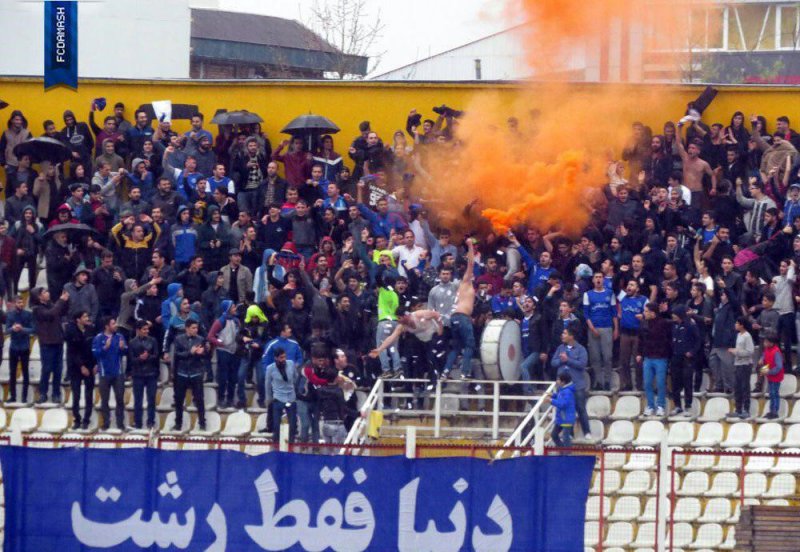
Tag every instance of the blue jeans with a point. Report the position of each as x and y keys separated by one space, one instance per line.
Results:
x=291 y=413
x=655 y=368
x=308 y=412
x=52 y=363
x=384 y=330
x=462 y=339
x=530 y=364
x=562 y=436
x=226 y=376
x=244 y=367
x=774 y=396
x=580 y=410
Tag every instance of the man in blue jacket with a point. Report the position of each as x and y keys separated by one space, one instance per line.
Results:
x=571 y=357
x=108 y=348
x=600 y=311
x=285 y=342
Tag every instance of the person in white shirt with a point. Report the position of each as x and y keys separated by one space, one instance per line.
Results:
x=408 y=254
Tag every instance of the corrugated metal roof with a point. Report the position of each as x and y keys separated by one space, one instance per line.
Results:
x=256 y=29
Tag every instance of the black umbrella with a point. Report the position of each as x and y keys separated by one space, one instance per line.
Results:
x=44 y=149
x=72 y=229
x=310 y=126
x=179 y=111
x=240 y=117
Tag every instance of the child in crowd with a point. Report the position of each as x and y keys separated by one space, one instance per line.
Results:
x=564 y=402
x=772 y=367
x=742 y=364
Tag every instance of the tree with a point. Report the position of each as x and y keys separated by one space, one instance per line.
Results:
x=349 y=28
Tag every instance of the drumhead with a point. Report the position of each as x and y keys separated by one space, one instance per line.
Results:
x=501 y=350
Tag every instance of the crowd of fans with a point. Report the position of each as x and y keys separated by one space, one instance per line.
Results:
x=309 y=273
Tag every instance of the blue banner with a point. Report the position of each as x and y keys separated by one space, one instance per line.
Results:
x=147 y=499
x=60 y=43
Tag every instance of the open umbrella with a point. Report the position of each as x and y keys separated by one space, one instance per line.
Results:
x=71 y=229
x=310 y=126
x=240 y=117
x=43 y=149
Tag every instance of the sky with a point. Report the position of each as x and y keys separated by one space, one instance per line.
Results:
x=414 y=29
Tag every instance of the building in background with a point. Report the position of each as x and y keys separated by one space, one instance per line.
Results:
x=732 y=41
x=231 y=45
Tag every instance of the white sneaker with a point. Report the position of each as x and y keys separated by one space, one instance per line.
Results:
x=660 y=411
x=648 y=411
x=588 y=437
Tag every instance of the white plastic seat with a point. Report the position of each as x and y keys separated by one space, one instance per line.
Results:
x=740 y=434
x=614 y=460
x=709 y=535
x=254 y=447
x=598 y=406
x=769 y=435
x=611 y=482
x=3 y=419
x=261 y=423
x=620 y=433
x=636 y=483
x=645 y=536
x=717 y=510
x=755 y=485
x=680 y=434
x=619 y=534
x=641 y=460
x=788 y=386
x=170 y=422
x=167 y=401
x=787 y=464
x=730 y=539
x=729 y=462
x=715 y=410
x=783 y=413
x=129 y=401
x=681 y=535
x=238 y=424
x=196 y=443
x=24 y=420
x=724 y=484
x=627 y=408
x=598 y=430
x=693 y=484
x=213 y=424
x=650 y=434
x=649 y=513
x=760 y=463
x=782 y=485
x=710 y=434
x=209 y=400
x=54 y=420
x=41 y=440
x=686 y=509
x=593 y=507
x=792 y=438
x=591 y=533
x=700 y=462
x=626 y=508
x=134 y=441
x=794 y=416
x=777 y=502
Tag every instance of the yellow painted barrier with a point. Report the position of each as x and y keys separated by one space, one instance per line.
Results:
x=384 y=104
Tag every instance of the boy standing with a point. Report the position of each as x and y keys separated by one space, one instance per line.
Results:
x=144 y=362
x=742 y=363
x=108 y=348
x=564 y=402
x=772 y=367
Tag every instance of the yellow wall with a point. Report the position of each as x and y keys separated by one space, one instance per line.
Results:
x=347 y=103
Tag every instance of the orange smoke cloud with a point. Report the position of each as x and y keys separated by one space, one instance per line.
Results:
x=548 y=171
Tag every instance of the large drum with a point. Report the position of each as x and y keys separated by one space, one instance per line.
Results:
x=501 y=350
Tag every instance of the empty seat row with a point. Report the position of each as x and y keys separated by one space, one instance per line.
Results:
x=709 y=434
x=755 y=485
x=621 y=534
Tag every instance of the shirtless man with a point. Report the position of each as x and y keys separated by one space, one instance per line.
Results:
x=694 y=169
x=422 y=324
x=462 y=334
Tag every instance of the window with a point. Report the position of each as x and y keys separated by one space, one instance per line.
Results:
x=787 y=27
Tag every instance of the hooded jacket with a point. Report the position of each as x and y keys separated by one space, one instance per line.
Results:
x=82 y=298
x=47 y=321
x=212 y=299
x=214 y=257
x=564 y=401
x=184 y=238
x=170 y=305
x=127 y=304
x=224 y=330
